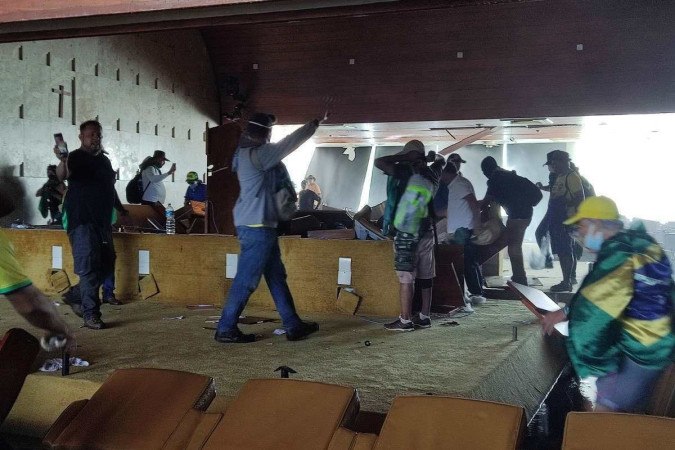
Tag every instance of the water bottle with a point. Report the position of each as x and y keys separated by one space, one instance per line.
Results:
x=170 y=220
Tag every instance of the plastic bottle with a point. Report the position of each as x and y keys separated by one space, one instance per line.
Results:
x=542 y=421
x=170 y=220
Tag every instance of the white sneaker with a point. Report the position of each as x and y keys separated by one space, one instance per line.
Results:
x=477 y=300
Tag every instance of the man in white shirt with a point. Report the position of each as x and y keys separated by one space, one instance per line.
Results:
x=153 y=179
x=463 y=217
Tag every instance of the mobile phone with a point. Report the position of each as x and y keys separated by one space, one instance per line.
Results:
x=60 y=143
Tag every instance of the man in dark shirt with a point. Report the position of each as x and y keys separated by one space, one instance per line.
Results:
x=306 y=198
x=89 y=207
x=504 y=187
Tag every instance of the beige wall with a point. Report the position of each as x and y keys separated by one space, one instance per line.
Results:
x=175 y=92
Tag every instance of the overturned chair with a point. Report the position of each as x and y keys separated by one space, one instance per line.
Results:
x=133 y=409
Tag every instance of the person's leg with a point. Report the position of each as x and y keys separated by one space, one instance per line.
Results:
x=628 y=390
x=86 y=244
x=109 y=287
x=275 y=276
x=540 y=233
x=565 y=252
x=406 y=293
x=472 y=274
x=516 y=233
x=253 y=256
x=425 y=270
x=404 y=262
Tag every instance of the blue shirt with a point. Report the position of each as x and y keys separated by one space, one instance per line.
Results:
x=196 y=192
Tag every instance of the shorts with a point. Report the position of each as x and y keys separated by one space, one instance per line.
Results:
x=562 y=242
x=12 y=277
x=414 y=258
x=629 y=389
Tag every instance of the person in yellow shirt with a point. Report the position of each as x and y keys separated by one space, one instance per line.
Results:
x=566 y=194
x=25 y=298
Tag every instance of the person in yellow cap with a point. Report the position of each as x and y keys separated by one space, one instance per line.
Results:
x=620 y=328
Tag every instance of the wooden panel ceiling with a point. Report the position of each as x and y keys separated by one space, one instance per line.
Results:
x=517 y=60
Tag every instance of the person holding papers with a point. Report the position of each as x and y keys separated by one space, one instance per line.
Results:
x=620 y=330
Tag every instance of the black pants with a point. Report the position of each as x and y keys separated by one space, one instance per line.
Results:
x=93 y=259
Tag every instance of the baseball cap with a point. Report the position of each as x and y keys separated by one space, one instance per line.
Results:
x=160 y=155
x=456 y=157
x=601 y=208
x=556 y=155
x=413 y=146
x=191 y=176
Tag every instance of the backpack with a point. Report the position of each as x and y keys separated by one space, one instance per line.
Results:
x=134 y=189
x=531 y=193
x=279 y=182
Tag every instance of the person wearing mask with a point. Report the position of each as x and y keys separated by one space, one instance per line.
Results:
x=518 y=196
x=620 y=320
x=154 y=192
x=196 y=189
x=257 y=163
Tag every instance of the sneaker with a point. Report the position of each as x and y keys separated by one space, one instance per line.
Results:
x=234 y=337
x=302 y=331
x=397 y=325
x=574 y=281
x=477 y=300
x=94 y=323
x=561 y=287
x=418 y=322
x=111 y=300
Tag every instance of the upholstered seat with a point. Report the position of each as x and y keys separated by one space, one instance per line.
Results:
x=616 y=431
x=424 y=422
x=133 y=409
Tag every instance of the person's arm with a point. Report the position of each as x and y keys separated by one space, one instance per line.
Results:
x=387 y=164
x=62 y=167
x=270 y=155
x=118 y=205
x=155 y=176
x=475 y=209
x=40 y=191
x=543 y=188
x=37 y=309
x=317 y=199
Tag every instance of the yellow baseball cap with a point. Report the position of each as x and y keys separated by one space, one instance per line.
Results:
x=601 y=208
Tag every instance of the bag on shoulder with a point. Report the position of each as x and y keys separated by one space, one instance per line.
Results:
x=531 y=193
x=134 y=189
x=278 y=181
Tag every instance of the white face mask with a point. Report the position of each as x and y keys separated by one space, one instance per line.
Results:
x=593 y=239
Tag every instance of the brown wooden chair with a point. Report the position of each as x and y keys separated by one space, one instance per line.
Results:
x=18 y=350
x=617 y=431
x=135 y=409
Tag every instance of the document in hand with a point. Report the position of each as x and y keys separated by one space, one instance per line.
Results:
x=539 y=303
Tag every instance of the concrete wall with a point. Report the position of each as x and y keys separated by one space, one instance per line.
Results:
x=150 y=91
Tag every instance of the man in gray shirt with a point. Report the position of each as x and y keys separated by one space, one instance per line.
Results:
x=256 y=219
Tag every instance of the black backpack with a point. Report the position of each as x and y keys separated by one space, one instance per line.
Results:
x=531 y=193
x=135 y=189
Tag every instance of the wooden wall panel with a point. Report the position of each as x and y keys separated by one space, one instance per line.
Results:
x=519 y=60
x=191 y=269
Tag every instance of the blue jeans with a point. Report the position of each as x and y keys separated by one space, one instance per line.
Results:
x=259 y=255
x=109 y=286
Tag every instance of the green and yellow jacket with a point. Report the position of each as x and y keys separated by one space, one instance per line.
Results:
x=623 y=307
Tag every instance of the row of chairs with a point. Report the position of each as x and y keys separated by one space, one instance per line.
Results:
x=165 y=409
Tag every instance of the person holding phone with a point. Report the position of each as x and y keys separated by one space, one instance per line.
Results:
x=154 y=191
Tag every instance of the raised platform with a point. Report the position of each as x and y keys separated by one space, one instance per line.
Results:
x=477 y=358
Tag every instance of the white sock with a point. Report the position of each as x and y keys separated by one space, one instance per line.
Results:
x=423 y=317
x=404 y=320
